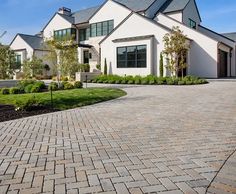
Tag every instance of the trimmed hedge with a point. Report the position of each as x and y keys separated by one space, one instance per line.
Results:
x=148 y=80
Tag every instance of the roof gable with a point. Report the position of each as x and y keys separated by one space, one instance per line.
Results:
x=174 y=5
x=35 y=42
x=83 y=16
x=135 y=5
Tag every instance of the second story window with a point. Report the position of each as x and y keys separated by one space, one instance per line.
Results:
x=192 y=24
x=65 y=34
x=84 y=34
x=101 y=28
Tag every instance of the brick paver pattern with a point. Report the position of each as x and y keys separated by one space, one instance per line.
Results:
x=160 y=139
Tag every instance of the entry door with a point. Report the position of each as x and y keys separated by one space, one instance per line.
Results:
x=86 y=56
x=223 y=63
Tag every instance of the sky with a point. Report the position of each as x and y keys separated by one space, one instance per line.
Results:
x=30 y=16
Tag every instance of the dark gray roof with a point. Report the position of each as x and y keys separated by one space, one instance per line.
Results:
x=34 y=41
x=68 y=18
x=83 y=16
x=231 y=35
x=174 y=5
x=136 y=5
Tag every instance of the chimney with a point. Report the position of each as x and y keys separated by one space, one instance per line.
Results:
x=64 y=11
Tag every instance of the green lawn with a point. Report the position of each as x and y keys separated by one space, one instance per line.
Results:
x=67 y=99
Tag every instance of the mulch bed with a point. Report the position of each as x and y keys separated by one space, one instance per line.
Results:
x=7 y=112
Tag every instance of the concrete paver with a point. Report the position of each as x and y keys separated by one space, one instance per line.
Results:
x=166 y=139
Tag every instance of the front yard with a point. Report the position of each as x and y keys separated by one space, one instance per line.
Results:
x=62 y=100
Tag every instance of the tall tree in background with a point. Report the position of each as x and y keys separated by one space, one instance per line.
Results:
x=161 y=66
x=176 y=47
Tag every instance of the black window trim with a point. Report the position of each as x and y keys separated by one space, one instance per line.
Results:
x=136 y=56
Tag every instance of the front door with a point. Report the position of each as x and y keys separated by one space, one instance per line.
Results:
x=86 y=57
x=223 y=62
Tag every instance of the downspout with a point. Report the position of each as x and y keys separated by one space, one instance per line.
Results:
x=230 y=62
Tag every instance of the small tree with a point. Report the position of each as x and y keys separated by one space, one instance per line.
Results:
x=175 y=48
x=7 y=62
x=105 y=67
x=161 y=66
x=33 y=67
x=63 y=54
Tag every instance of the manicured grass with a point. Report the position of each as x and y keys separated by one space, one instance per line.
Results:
x=67 y=99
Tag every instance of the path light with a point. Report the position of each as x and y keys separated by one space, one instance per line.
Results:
x=51 y=97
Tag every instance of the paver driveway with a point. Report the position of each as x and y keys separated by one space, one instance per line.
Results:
x=156 y=139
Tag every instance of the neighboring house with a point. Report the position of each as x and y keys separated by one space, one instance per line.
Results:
x=129 y=35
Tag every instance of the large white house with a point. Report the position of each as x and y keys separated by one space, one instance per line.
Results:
x=129 y=35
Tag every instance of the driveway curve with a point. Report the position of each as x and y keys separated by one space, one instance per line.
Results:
x=157 y=139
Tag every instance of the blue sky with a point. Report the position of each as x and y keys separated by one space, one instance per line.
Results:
x=30 y=16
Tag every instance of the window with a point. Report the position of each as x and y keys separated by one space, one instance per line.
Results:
x=84 y=34
x=101 y=28
x=132 y=57
x=192 y=24
x=93 y=30
x=65 y=34
x=18 y=59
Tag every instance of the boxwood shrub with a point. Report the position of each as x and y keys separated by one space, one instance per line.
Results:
x=14 y=90
x=148 y=80
x=5 y=91
x=78 y=84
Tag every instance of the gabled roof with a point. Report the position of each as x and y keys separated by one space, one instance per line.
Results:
x=136 y=5
x=231 y=35
x=35 y=42
x=174 y=5
x=67 y=18
x=83 y=16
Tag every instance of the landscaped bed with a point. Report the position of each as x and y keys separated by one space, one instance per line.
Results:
x=148 y=80
x=38 y=103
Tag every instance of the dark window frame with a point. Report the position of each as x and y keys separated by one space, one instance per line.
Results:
x=63 y=34
x=104 y=30
x=192 y=24
x=126 y=61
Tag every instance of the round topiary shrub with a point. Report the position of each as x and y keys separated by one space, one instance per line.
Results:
x=189 y=82
x=131 y=81
x=53 y=86
x=35 y=89
x=111 y=81
x=118 y=81
x=151 y=82
x=181 y=82
x=123 y=81
x=160 y=82
x=5 y=91
x=68 y=86
x=78 y=84
x=28 y=88
x=14 y=90
x=145 y=81
x=170 y=82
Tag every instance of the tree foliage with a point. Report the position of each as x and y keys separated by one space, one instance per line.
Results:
x=7 y=62
x=176 y=47
x=161 y=66
x=105 y=67
x=33 y=67
x=63 y=55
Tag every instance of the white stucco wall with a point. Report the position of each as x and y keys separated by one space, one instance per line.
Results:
x=40 y=54
x=19 y=45
x=57 y=23
x=190 y=12
x=176 y=15
x=154 y=45
x=225 y=41
x=203 y=52
x=111 y=11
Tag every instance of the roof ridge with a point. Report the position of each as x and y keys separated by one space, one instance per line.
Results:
x=36 y=36
x=85 y=9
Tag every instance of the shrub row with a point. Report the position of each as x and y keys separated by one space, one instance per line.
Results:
x=148 y=80
x=31 y=86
